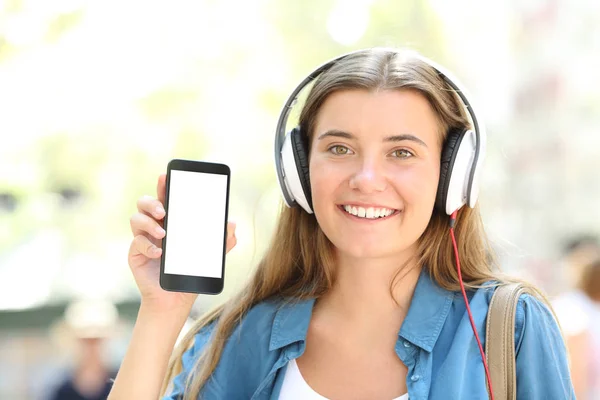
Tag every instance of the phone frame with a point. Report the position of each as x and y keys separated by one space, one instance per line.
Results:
x=191 y=283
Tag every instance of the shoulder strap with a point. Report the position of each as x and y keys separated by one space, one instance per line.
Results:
x=500 y=340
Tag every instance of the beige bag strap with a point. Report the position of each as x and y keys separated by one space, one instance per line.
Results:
x=500 y=340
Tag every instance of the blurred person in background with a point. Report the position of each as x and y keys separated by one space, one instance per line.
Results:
x=578 y=252
x=578 y=311
x=358 y=295
x=88 y=325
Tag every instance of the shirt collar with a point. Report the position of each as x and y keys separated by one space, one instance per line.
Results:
x=427 y=313
x=291 y=323
x=428 y=310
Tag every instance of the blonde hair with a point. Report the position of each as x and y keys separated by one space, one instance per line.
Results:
x=299 y=262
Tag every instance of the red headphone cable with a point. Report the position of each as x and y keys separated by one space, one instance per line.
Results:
x=464 y=293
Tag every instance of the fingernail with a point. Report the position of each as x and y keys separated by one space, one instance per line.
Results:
x=159 y=210
x=159 y=230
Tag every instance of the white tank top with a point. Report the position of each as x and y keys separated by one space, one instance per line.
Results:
x=295 y=387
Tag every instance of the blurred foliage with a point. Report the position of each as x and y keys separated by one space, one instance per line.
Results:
x=62 y=23
x=166 y=102
x=11 y=6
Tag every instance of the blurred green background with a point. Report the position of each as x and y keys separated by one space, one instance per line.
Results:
x=97 y=96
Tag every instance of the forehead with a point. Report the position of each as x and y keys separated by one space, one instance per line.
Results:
x=375 y=114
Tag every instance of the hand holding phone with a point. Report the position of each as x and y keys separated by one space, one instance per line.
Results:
x=146 y=250
x=194 y=248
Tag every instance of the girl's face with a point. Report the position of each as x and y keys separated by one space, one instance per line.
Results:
x=374 y=170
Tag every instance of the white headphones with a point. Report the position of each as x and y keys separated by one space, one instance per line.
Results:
x=462 y=154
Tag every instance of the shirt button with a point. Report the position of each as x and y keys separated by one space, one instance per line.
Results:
x=406 y=343
x=415 y=378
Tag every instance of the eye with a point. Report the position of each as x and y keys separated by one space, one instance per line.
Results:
x=402 y=153
x=339 y=150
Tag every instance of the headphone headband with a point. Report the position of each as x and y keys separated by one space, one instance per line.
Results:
x=280 y=131
x=459 y=89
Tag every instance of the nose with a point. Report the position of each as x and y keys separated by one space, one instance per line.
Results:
x=369 y=178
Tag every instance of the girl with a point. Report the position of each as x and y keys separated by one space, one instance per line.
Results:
x=358 y=295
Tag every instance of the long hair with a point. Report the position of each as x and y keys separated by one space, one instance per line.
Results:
x=299 y=262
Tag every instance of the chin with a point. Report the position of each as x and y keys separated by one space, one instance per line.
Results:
x=373 y=250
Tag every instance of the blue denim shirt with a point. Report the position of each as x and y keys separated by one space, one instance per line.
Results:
x=435 y=342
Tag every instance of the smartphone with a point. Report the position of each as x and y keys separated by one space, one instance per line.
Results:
x=196 y=205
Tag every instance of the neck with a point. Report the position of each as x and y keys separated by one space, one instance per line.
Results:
x=92 y=366
x=363 y=293
x=90 y=378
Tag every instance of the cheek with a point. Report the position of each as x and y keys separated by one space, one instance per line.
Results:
x=320 y=180
x=325 y=179
x=419 y=186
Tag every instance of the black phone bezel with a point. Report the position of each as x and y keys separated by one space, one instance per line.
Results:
x=190 y=283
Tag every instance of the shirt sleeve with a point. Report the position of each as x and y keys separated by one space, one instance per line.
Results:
x=542 y=364
x=188 y=360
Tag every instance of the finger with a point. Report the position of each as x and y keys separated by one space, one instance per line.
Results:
x=151 y=206
x=231 y=228
x=161 y=188
x=231 y=238
x=231 y=242
x=141 y=245
x=142 y=224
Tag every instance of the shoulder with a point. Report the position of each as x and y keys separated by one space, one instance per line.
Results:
x=534 y=316
x=537 y=331
x=253 y=328
x=261 y=315
x=541 y=354
x=63 y=390
x=533 y=312
x=245 y=357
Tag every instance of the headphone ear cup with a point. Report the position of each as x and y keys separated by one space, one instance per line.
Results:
x=299 y=147
x=449 y=153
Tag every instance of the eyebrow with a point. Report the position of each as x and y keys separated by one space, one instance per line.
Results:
x=394 y=138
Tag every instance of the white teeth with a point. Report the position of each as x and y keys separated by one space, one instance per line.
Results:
x=370 y=212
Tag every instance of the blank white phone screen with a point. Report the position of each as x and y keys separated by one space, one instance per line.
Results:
x=195 y=223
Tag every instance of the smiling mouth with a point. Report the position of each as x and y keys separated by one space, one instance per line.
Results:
x=368 y=213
